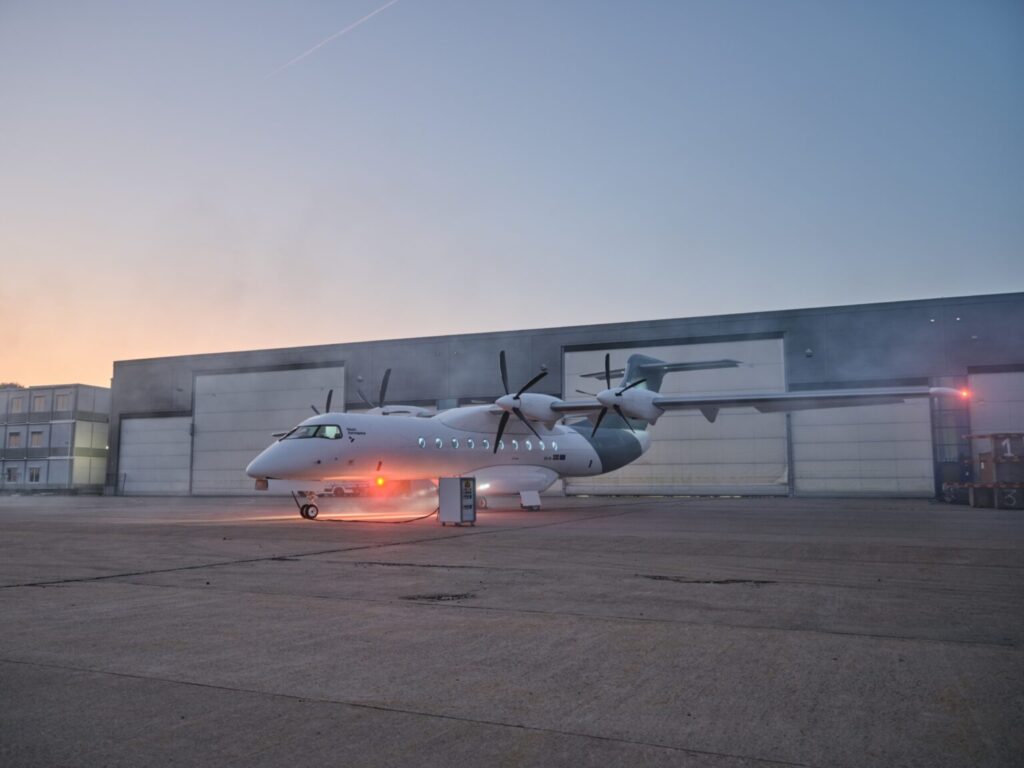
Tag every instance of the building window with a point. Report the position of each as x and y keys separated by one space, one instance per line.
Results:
x=421 y=442
x=455 y=443
x=14 y=440
x=438 y=442
x=12 y=474
x=33 y=474
x=38 y=403
x=470 y=444
x=63 y=403
x=35 y=440
x=17 y=405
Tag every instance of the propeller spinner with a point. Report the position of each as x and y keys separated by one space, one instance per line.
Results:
x=607 y=397
x=512 y=404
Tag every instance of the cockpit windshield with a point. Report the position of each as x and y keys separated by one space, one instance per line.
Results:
x=326 y=431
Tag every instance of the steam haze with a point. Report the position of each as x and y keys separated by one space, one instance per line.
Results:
x=454 y=167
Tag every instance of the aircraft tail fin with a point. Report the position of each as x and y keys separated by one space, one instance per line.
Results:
x=653 y=370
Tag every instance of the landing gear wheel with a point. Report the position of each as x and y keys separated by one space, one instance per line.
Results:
x=302 y=511
x=312 y=511
x=481 y=502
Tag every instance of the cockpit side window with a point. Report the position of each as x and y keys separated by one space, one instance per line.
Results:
x=326 y=431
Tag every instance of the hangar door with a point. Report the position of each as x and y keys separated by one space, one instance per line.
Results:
x=743 y=451
x=868 y=449
x=154 y=457
x=236 y=415
x=997 y=402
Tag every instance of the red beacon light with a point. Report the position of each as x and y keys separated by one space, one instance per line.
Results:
x=965 y=394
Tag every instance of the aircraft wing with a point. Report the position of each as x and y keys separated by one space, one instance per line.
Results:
x=775 y=402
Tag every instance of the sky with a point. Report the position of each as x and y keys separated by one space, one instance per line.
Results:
x=174 y=181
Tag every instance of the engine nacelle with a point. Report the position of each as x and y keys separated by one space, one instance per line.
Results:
x=533 y=406
x=635 y=403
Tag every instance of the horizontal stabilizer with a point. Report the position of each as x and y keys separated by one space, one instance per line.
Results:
x=646 y=369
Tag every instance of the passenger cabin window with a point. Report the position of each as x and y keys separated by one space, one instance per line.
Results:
x=455 y=443
x=487 y=445
x=422 y=443
x=540 y=444
x=470 y=444
x=515 y=445
x=501 y=445
x=529 y=445
x=438 y=442
x=554 y=446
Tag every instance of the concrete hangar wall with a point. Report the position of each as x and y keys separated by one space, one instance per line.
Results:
x=189 y=424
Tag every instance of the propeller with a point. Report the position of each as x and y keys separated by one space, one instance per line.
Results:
x=514 y=399
x=383 y=391
x=608 y=383
x=327 y=405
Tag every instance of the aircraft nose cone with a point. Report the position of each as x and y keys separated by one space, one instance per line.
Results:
x=259 y=467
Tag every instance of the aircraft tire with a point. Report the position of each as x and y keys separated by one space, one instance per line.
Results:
x=312 y=511
x=302 y=511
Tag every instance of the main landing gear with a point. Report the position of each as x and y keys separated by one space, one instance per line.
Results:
x=309 y=510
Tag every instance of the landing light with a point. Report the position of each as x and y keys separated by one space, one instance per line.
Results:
x=380 y=481
x=965 y=394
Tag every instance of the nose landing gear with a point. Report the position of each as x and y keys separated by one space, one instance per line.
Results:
x=309 y=510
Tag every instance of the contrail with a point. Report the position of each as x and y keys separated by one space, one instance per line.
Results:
x=336 y=35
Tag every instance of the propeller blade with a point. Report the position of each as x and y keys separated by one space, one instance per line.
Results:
x=327 y=406
x=504 y=370
x=315 y=410
x=523 y=419
x=365 y=398
x=588 y=394
x=630 y=386
x=531 y=382
x=607 y=370
x=623 y=417
x=501 y=429
x=384 y=387
x=598 y=422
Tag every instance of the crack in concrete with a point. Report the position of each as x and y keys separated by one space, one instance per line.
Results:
x=684 y=580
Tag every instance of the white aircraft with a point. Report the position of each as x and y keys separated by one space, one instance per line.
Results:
x=523 y=456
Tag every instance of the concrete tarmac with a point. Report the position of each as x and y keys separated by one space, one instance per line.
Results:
x=611 y=632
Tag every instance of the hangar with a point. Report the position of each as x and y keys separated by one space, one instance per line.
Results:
x=189 y=424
